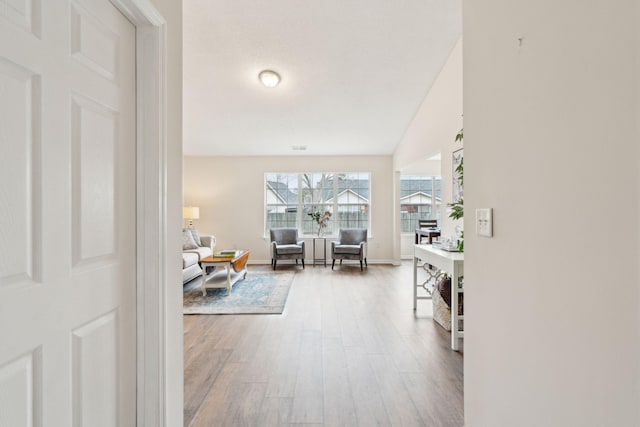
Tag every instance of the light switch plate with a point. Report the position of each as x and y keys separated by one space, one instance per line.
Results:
x=484 y=222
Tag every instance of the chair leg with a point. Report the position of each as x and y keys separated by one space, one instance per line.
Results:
x=296 y=260
x=365 y=263
x=361 y=269
x=302 y=259
x=274 y=263
x=333 y=263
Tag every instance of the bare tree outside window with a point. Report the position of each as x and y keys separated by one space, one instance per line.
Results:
x=317 y=188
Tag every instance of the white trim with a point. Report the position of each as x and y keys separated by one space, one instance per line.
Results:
x=151 y=210
x=308 y=262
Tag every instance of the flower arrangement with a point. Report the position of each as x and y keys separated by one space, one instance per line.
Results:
x=321 y=219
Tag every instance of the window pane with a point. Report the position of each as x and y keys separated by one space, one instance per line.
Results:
x=419 y=199
x=291 y=198
x=317 y=189
x=353 y=200
x=438 y=197
x=281 y=206
x=353 y=215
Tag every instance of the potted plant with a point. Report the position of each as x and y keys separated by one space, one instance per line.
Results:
x=457 y=207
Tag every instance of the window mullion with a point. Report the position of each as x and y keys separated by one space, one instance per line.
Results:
x=336 y=225
x=433 y=198
x=299 y=207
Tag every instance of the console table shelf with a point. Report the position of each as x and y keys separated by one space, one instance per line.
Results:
x=453 y=264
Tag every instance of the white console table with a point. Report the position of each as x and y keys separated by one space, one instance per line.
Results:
x=452 y=263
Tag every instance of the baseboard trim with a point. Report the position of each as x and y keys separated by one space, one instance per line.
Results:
x=308 y=262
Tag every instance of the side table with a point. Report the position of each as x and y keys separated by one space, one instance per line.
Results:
x=317 y=258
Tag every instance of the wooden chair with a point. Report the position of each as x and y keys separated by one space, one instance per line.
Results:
x=427 y=228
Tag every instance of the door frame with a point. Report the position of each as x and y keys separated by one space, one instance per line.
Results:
x=152 y=256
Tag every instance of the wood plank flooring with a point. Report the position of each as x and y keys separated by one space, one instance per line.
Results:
x=347 y=351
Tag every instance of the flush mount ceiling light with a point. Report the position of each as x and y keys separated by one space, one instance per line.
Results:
x=269 y=78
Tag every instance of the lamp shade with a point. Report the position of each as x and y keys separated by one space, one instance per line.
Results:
x=190 y=212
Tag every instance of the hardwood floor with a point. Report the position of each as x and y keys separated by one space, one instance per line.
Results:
x=347 y=351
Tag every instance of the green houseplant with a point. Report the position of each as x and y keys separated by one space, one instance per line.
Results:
x=457 y=207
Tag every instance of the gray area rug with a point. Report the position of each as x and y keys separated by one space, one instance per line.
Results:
x=260 y=292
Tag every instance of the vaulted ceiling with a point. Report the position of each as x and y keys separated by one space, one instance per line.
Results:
x=354 y=73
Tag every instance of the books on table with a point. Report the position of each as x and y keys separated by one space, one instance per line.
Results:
x=228 y=253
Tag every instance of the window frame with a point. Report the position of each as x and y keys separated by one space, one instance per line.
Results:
x=333 y=201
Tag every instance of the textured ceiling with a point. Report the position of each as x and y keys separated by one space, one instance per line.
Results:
x=353 y=73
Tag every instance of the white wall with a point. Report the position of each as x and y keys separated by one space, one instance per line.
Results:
x=551 y=143
x=230 y=194
x=439 y=117
x=432 y=131
x=171 y=10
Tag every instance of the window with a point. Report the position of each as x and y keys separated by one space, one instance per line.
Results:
x=420 y=198
x=317 y=196
x=289 y=197
x=353 y=200
x=282 y=197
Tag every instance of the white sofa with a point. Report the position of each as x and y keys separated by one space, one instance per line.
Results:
x=192 y=254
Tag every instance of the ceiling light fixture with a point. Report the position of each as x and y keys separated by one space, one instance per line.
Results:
x=269 y=78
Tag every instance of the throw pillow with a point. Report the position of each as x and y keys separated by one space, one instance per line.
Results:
x=196 y=236
x=187 y=241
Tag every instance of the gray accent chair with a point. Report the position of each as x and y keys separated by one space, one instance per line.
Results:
x=285 y=245
x=351 y=245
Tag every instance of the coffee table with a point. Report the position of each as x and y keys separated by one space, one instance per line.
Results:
x=235 y=269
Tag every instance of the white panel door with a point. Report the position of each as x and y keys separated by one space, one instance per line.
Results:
x=67 y=214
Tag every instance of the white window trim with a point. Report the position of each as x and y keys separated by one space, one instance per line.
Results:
x=300 y=205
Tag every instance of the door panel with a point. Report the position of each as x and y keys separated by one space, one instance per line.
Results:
x=18 y=104
x=67 y=214
x=94 y=139
x=94 y=362
x=21 y=377
x=23 y=13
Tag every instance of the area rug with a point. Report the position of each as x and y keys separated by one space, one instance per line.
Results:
x=259 y=293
